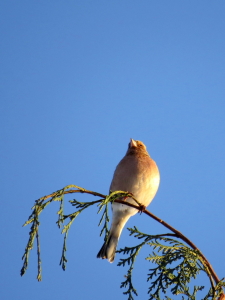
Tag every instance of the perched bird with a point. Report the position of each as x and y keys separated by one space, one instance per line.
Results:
x=138 y=174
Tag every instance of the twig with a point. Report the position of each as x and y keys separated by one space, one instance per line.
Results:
x=39 y=277
x=178 y=234
x=75 y=191
x=142 y=209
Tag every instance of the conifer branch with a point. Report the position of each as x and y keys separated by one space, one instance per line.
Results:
x=217 y=285
x=177 y=234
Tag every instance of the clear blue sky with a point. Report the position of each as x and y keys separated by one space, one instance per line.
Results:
x=78 y=80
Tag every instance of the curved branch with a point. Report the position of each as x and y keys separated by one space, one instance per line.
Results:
x=178 y=234
x=143 y=210
x=74 y=191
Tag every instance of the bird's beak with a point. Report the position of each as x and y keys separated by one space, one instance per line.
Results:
x=133 y=143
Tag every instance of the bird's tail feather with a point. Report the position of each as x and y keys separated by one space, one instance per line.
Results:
x=108 y=249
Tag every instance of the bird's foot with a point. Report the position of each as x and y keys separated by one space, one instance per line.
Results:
x=142 y=208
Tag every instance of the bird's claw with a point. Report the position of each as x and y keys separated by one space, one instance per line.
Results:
x=142 y=208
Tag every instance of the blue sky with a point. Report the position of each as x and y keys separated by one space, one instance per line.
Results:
x=78 y=80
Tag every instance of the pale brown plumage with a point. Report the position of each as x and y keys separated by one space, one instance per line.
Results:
x=138 y=174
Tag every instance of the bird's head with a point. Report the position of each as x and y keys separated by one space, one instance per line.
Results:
x=136 y=147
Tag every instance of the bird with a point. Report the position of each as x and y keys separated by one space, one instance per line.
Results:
x=138 y=174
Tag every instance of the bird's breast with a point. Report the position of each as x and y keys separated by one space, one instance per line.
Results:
x=137 y=176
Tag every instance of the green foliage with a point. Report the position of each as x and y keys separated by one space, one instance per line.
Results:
x=33 y=218
x=58 y=196
x=65 y=231
x=133 y=251
x=105 y=219
x=176 y=264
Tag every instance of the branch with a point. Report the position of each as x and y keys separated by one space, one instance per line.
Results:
x=113 y=197
x=177 y=233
